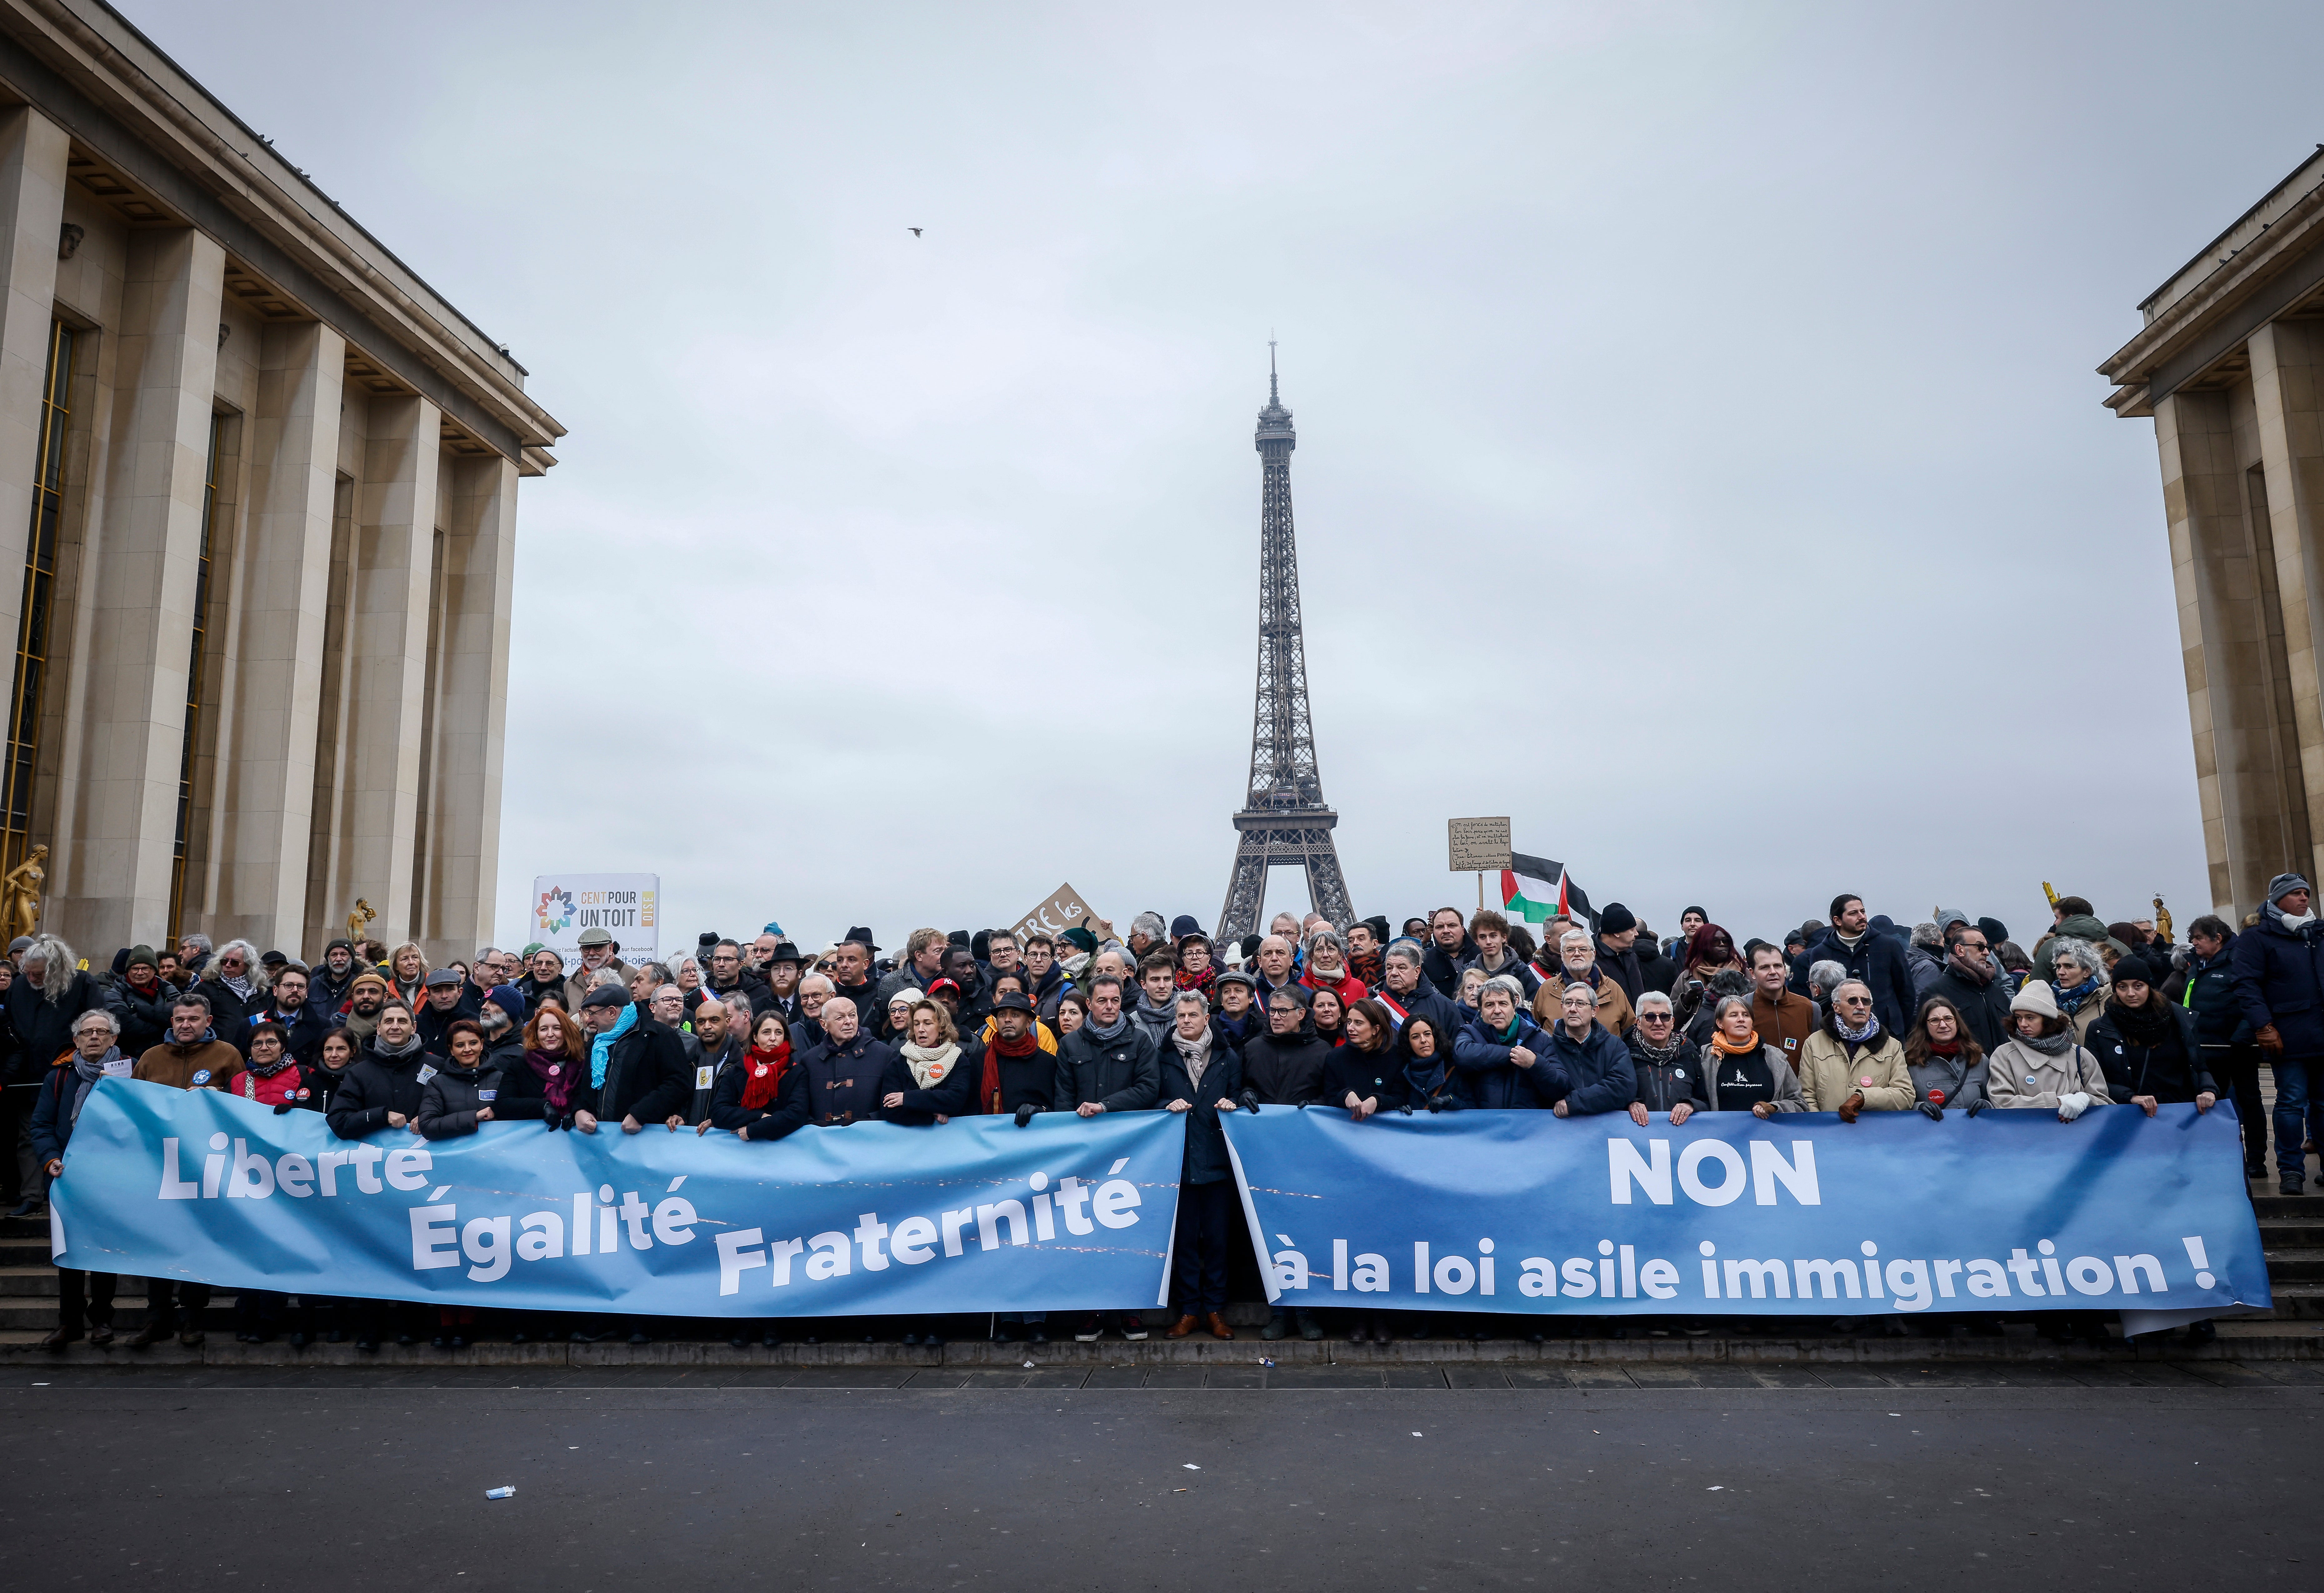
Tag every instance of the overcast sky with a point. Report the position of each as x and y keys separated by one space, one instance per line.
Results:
x=1701 y=458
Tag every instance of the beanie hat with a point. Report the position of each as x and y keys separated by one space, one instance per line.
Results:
x=509 y=999
x=2035 y=998
x=2135 y=968
x=140 y=955
x=1183 y=925
x=368 y=976
x=1995 y=931
x=1080 y=938
x=2283 y=882
x=1616 y=920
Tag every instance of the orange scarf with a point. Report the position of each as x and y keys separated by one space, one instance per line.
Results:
x=1730 y=1048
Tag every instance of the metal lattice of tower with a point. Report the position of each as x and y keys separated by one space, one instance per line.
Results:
x=1284 y=819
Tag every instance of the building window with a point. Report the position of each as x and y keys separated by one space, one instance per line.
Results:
x=194 y=685
x=32 y=633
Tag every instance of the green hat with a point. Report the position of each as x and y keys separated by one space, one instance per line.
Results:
x=530 y=949
x=142 y=954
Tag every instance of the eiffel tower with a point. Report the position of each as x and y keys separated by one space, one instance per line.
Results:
x=1284 y=819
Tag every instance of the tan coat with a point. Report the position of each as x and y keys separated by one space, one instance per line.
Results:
x=576 y=983
x=175 y=1065
x=1829 y=1077
x=2020 y=1076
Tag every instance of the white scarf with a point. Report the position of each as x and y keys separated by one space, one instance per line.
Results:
x=929 y=1066
x=1196 y=1053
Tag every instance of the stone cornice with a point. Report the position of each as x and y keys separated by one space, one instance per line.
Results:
x=95 y=52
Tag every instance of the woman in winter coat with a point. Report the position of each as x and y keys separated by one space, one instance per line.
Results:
x=1328 y=1017
x=1201 y=1077
x=2146 y=1044
x=1711 y=950
x=2040 y=1066
x=2081 y=990
x=1363 y=1074
x=272 y=1077
x=762 y=1100
x=1423 y=1056
x=1667 y=1069
x=1850 y=1065
x=943 y=1076
x=553 y=1076
x=1948 y=1067
x=1747 y=1075
x=459 y=1097
x=407 y=974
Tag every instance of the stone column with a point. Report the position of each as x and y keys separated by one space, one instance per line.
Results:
x=2286 y=358
x=2224 y=635
x=470 y=705
x=118 y=789
x=263 y=804
x=386 y=664
x=32 y=150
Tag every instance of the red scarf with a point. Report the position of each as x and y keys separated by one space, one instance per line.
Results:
x=1206 y=981
x=1015 y=1051
x=765 y=1075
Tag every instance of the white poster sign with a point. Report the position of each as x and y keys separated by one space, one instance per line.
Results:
x=625 y=905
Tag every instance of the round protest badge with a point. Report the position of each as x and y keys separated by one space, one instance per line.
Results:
x=555 y=1068
x=1866 y=1079
x=1936 y=1098
x=1678 y=1072
x=202 y=1076
x=303 y=1094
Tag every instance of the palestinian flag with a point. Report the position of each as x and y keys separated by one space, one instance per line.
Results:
x=1535 y=890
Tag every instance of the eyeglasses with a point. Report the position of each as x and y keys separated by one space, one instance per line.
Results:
x=1970 y=945
x=1856 y=1001
x=1654 y=1017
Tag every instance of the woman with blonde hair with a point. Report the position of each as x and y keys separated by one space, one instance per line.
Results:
x=407 y=974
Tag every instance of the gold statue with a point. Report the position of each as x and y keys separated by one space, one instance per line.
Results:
x=362 y=916
x=2162 y=920
x=20 y=895
x=2050 y=894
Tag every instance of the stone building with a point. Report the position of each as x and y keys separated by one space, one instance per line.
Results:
x=269 y=481
x=2228 y=366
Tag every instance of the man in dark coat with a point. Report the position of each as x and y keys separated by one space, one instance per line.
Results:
x=1284 y=1065
x=1971 y=980
x=449 y=999
x=1406 y=991
x=728 y=975
x=235 y=987
x=2279 y=965
x=1616 y=944
x=1201 y=1072
x=327 y=980
x=1588 y=1069
x=646 y=1079
x=147 y=999
x=300 y=1018
x=1450 y=949
x=2207 y=988
x=1110 y=1064
x=1877 y=959
x=42 y=1019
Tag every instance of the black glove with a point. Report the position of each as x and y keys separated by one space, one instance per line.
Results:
x=1248 y=1102
x=1933 y=1111
x=1025 y=1113
x=1452 y=1103
x=1407 y=1108
x=281 y=1107
x=1977 y=1106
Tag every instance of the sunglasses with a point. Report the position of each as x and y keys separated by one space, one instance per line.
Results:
x=1856 y=1001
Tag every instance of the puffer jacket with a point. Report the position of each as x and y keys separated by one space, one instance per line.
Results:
x=2206 y=987
x=2020 y=1076
x=1831 y=1070
x=1286 y=1069
x=2279 y=978
x=450 y=1100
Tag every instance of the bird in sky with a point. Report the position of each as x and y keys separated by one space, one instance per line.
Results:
x=916 y=232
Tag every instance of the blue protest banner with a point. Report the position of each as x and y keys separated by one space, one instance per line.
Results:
x=1729 y=1215
x=1067 y=1214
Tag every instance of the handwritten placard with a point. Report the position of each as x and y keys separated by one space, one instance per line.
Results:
x=1063 y=910
x=1478 y=845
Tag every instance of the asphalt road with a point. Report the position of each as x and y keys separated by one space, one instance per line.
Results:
x=2100 y=1478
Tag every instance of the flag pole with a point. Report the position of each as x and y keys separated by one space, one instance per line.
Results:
x=1481 y=890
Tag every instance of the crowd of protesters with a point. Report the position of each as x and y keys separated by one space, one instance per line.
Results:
x=1449 y=1012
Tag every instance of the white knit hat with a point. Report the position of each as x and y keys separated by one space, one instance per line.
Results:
x=2036 y=998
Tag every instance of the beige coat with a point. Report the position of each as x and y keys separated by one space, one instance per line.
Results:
x=576 y=983
x=1615 y=1015
x=2017 y=1075
x=1828 y=1076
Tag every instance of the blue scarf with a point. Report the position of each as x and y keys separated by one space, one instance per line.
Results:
x=1862 y=1037
x=603 y=1046
x=2071 y=1001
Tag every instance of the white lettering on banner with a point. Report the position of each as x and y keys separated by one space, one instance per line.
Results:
x=174 y=1188
x=1628 y=1171
x=738 y=1252
x=427 y=1223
